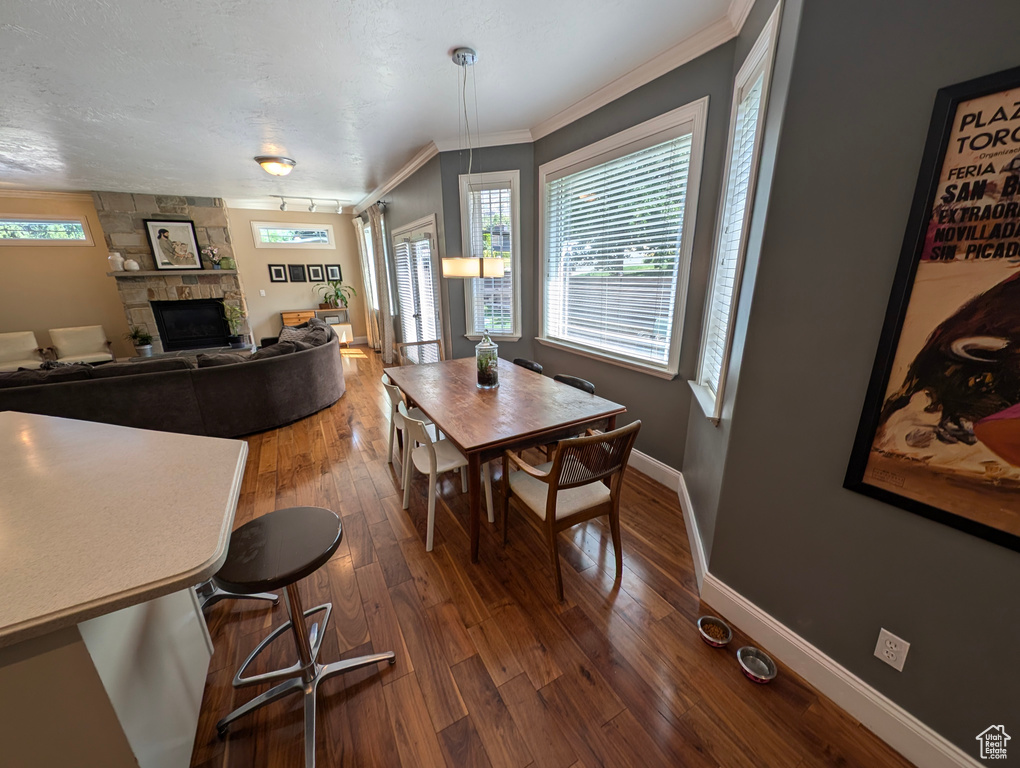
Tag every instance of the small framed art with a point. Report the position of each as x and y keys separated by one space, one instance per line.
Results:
x=174 y=245
x=297 y=273
x=315 y=273
x=277 y=273
x=333 y=272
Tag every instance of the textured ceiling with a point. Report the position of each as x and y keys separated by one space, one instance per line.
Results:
x=177 y=96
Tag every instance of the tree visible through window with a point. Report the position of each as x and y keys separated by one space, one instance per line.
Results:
x=36 y=229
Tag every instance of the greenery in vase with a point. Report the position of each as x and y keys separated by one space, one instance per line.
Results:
x=234 y=316
x=335 y=294
x=139 y=336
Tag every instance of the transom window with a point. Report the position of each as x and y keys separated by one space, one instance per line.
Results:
x=618 y=224
x=275 y=234
x=49 y=231
x=489 y=227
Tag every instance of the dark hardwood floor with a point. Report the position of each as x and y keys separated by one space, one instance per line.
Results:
x=491 y=670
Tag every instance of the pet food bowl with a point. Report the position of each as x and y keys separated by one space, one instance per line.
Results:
x=707 y=621
x=757 y=664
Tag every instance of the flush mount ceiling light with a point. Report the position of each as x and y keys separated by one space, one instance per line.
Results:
x=276 y=164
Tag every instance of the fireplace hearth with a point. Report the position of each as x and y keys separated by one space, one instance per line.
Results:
x=190 y=323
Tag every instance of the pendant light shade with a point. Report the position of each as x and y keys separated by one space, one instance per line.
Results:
x=473 y=267
x=275 y=164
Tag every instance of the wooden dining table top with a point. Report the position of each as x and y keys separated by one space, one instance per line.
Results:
x=524 y=404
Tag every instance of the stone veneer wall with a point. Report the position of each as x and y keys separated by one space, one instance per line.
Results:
x=122 y=216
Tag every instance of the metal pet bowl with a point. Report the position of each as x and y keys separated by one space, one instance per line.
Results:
x=706 y=621
x=757 y=664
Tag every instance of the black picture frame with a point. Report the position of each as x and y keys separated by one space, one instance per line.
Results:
x=334 y=272
x=277 y=273
x=296 y=272
x=315 y=273
x=174 y=244
x=900 y=454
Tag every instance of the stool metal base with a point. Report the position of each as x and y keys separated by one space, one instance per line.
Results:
x=210 y=594
x=305 y=676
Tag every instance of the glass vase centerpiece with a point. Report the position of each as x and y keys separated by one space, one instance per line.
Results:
x=487 y=362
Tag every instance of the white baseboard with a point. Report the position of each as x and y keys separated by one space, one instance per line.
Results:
x=879 y=714
x=655 y=469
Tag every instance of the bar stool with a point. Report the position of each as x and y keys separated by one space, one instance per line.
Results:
x=209 y=594
x=278 y=550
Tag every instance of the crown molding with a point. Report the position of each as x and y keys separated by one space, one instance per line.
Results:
x=700 y=43
x=737 y=13
x=425 y=154
x=522 y=136
x=78 y=197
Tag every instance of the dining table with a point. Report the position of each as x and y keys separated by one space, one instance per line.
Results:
x=525 y=410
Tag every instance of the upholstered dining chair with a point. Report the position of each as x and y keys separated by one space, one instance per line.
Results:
x=418 y=352
x=398 y=410
x=19 y=349
x=531 y=365
x=434 y=458
x=82 y=344
x=574 y=381
x=572 y=488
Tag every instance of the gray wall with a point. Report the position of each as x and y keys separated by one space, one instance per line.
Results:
x=831 y=564
x=513 y=157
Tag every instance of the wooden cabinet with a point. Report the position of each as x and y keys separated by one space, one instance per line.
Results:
x=343 y=329
x=296 y=317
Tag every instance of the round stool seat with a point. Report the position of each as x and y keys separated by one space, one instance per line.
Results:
x=278 y=549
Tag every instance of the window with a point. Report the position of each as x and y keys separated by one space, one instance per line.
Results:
x=744 y=148
x=275 y=234
x=31 y=230
x=489 y=205
x=417 y=285
x=617 y=229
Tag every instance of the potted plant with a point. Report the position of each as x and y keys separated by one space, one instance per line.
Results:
x=235 y=317
x=212 y=253
x=335 y=294
x=142 y=340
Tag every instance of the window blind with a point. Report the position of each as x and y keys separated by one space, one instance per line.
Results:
x=729 y=253
x=416 y=293
x=491 y=232
x=613 y=253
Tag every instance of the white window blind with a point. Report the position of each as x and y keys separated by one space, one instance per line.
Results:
x=728 y=252
x=489 y=222
x=417 y=291
x=750 y=94
x=613 y=253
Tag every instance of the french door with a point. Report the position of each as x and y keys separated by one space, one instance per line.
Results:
x=415 y=261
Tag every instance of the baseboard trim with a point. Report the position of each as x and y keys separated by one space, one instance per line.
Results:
x=655 y=469
x=693 y=534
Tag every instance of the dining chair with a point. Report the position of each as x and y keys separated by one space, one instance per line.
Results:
x=573 y=381
x=398 y=409
x=82 y=344
x=571 y=488
x=433 y=458
x=531 y=365
x=418 y=352
x=19 y=349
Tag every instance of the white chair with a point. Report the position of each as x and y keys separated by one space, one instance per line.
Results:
x=420 y=352
x=571 y=488
x=433 y=458
x=397 y=412
x=83 y=344
x=19 y=350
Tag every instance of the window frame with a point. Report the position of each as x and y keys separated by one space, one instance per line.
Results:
x=256 y=226
x=88 y=242
x=665 y=127
x=425 y=228
x=759 y=61
x=497 y=179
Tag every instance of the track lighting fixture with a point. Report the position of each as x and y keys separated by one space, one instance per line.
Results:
x=339 y=206
x=283 y=202
x=312 y=207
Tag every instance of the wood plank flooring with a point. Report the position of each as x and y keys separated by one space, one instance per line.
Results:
x=490 y=669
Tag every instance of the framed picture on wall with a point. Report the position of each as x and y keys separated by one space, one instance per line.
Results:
x=173 y=243
x=333 y=272
x=297 y=273
x=940 y=431
x=277 y=273
x=315 y=273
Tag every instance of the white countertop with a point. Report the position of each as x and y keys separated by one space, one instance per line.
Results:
x=95 y=517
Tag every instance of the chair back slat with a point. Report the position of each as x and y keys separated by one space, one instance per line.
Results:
x=577 y=383
x=420 y=352
x=416 y=431
x=531 y=365
x=582 y=460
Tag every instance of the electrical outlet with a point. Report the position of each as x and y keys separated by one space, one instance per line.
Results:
x=891 y=649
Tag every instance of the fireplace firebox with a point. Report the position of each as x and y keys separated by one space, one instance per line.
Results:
x=191 y=323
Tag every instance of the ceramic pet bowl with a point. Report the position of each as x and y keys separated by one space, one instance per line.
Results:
x=715 y=632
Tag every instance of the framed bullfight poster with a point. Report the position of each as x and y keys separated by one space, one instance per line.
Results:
x=940 y=432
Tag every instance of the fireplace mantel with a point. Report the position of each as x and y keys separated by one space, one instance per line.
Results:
x=160 y=272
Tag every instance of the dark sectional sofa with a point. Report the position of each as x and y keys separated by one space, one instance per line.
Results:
x=224 y=398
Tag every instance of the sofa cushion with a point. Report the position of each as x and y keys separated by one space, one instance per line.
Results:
x=293 y=333
x=142 y=366
x=222 y=358
x=27 y=378
x=275 y=350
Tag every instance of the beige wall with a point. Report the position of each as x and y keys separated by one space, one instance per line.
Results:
x=253 y=265
x=54 y=286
